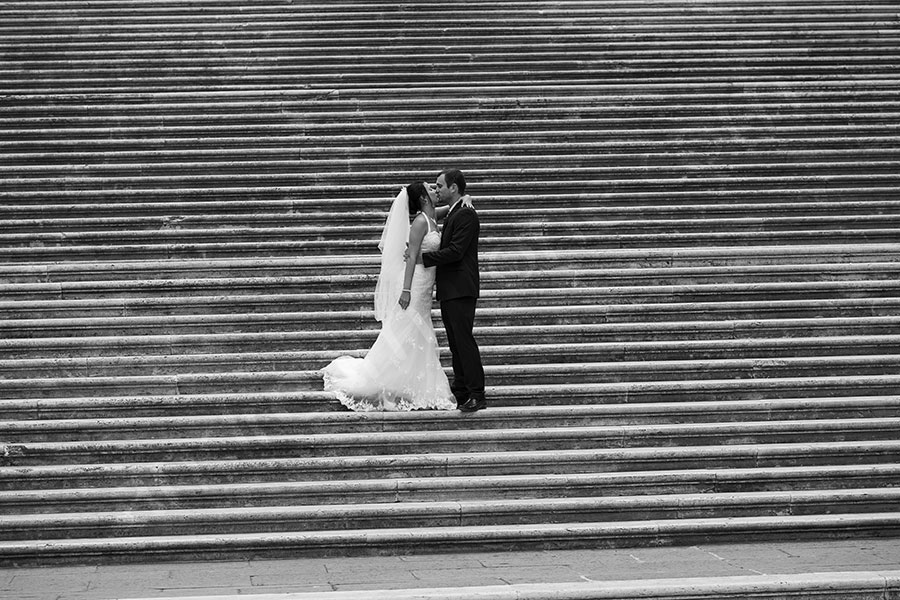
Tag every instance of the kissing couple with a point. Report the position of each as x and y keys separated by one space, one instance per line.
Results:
x=402 y=370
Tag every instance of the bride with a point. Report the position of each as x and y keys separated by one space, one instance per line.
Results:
x=402 y=370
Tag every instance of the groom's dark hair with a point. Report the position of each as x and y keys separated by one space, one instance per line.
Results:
x=452 y=176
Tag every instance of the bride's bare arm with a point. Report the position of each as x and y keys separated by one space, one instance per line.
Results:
x=417 y=232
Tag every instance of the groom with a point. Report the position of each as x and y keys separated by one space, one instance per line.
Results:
x=457 y=289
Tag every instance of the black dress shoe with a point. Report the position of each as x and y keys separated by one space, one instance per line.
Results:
x=473 y=404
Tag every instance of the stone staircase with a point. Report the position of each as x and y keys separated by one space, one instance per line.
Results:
x=690 y=251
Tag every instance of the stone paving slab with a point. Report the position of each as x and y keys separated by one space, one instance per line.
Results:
x=843 y=585
x=312 y=575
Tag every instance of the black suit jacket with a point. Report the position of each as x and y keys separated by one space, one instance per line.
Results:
x=457 y=259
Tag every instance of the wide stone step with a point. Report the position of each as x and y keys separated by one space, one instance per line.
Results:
x=529 y=114
x=234 y=374
x=450 y=512
x=395 y=124
x=527 y=33
x=496 y=265
x=323 y=311
x=733 y=139
x=261 y=105
x=614 y=338
x=492 y=88
x=641 y=95
x=456 y=538
x=263 y=243
x=341 y=20
x=253 y=74
x=166 y=7
x=203 y=70
x=172 y=404
x=375 y=198
x=473 y=488
x=160 y=335
x=874 y=173
x=184 y=395
x=257 y=182
x=179 y=13
x=439 y=442
x=44 y=428
x=573 y=48
x=97 y=67
x=491 y=209
x=191 y=278
x=217 y=319
x=114 y=142
x=449 y=464
x=258 y=107
x=702 y=30
x=796 y=130
x=241 y=284
x=565 y=354
x=343 y=17
x=166 y=297
x=788 y=376
x=161 y=400
x=20 y=233
x=536 y=219
x=298 y=226
x=90 y=64
x=164 y=314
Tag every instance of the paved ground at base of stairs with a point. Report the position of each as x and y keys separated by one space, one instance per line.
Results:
x=276 y=576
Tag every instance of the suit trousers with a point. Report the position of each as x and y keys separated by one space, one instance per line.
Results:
x=458 y=315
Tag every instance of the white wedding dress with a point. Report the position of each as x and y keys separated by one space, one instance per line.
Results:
x=402 y=370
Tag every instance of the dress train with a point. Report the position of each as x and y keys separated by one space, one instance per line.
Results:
x=402 y=370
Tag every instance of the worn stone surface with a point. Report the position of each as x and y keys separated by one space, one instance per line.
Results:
x=683 y=203
x=238 y=578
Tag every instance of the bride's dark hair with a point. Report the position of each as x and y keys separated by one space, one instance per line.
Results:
x=415 y=191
